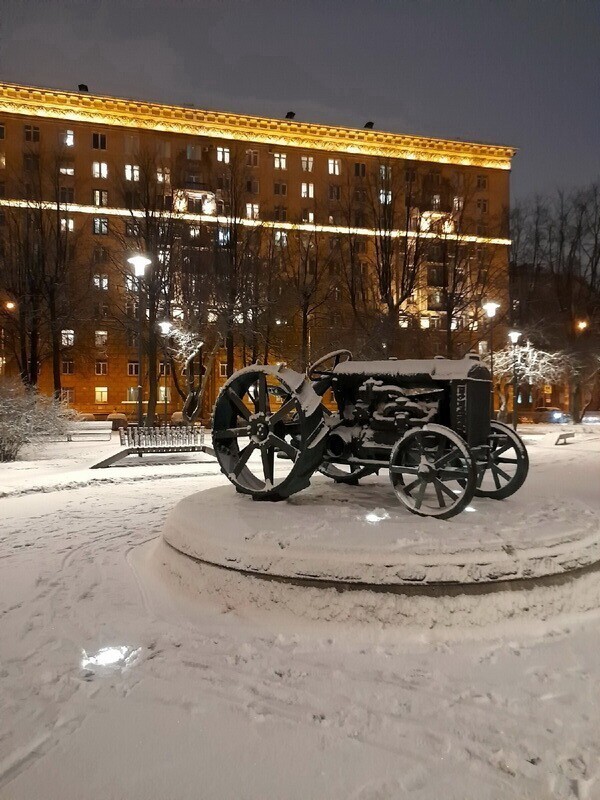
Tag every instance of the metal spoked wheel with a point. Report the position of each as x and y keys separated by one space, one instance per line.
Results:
x=345 y=473
x=433 y=472
x=262 y=412
x=505 y=466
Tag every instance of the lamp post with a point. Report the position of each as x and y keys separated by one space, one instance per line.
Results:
x=490 y=309
x=166 y=326
x=514 y=337
x=139 y=264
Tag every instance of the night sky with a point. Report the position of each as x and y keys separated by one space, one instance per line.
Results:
x=519 y=73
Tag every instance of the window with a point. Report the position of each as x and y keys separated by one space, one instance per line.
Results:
x=360 y=170
x=360 y=195
x=307 y=163
x=1 y=131
x=101 y=281
x=281 y=238
x=164 y=394
x=68 y=138
x=67 y=170
x=280 y=160
x=2 y=161
x=66 y=194
x=280 y=188
x=436 y=202
x=163 y=175
x=67 y=368
x=334 y=166
x=132 y=229
x=223 y=236
x=67 y=338
x=101 y=394
x=67 y=224
x=410 y=175
x=132 y=172
x=132 y=394
x=99 y=141
x=30 y=162
x=193 y=152
x=223 y=155
x=100 y=338
x=252 y=158
x=32 y=133
x=482 y=182
x=280 y=213
x=101 y=367
x=251 y=210
x=335 y=192
x=164 y=368
x=100 y=197
x=385 y=196
x=222 y=369
x=2 y=189
x=307 y=190
x=482 y=205
x=67 y=396
x=252 y=187
x=458 y=203
x=385 y=172
x=133 y=369
x=132 y=338
x=100 y=169
x=100 y=225
x=308 y=216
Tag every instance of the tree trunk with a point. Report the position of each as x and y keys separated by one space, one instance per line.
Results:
x=304 y=355
x=55 y=343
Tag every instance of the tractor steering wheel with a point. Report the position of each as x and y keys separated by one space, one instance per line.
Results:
x=337 y=355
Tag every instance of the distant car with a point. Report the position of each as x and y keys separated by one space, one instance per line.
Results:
x=550 y=414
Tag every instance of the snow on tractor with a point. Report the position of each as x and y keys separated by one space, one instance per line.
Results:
x=426 y=421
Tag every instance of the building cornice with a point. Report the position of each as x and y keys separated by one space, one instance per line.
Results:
x=84 y=107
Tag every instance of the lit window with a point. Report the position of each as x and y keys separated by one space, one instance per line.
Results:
x=424 y=321
x=101 y=281
x=164 y=368
x=67 y=170
x=100 y=197
x=222 y=369
x=194 y=233
x=280 y=160
x=252 y=158
x=67 y=368
x=458 y=204
x=385 y=172
x=163 y=175
x=100 y=225
x=101 y=367
x=223 y=236
x=100 y=169
x=101 y=394
x=100 y=338
x=32 y=133
x=307 y=190
x=99 y=141
x=280 y=188
x=281 y=238
x=132 y=229
x=385 y=196
x=67 y=224
x=2 y=161
x=130 y=283
x=133 y=369
x=435 y=202
x=403 y=321
x=307 y=163
x=334 y=166
x=68 y=138
x=164 y=394
x=132 y=172
x=67 y=338
x=223 y=154
x=308 y=216
x=132 y=394
x=251 y=210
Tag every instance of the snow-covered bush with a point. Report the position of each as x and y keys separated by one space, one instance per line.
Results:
x=26 y=417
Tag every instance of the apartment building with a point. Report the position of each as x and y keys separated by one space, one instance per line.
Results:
x=339 y=207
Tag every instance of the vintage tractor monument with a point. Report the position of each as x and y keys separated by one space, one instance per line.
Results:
x=427 y=422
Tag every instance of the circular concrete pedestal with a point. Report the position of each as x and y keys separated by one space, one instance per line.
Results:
x=353 y=553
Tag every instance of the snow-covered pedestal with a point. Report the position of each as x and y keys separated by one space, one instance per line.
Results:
x=351 y=552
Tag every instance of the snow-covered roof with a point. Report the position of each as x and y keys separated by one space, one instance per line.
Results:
x=432 y=368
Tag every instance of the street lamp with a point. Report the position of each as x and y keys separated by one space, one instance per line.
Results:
x=139 y=264
x=10 y=306
x=514 y=337
x=581 y=325
x=490 y=309
x=166 y=326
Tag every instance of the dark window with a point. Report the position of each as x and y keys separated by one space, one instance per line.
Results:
x=31 y=162
x=99 y=141
x=335 y=192
x=360 y=170
x=280 y=188
x=67 y=194
x=280 y=213
x=132 y=229
x=1 y=131
x=32 y=133
x=2 y=189
x=252 y=187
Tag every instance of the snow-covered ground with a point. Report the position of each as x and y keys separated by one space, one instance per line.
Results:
x=117 y=683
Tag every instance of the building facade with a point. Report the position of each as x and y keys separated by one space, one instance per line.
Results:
x=268 y=239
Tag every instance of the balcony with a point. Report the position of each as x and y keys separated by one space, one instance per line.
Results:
x=194 y=199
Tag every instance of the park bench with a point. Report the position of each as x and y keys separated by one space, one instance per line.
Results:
x=564 y=437
x=89 y=430
x=158 y=439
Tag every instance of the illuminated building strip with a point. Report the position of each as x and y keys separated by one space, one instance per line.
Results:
x=80 y=107
x=101 y=211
